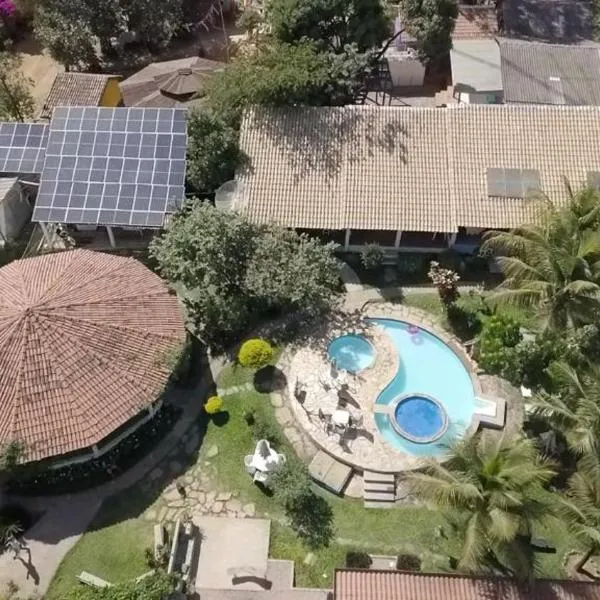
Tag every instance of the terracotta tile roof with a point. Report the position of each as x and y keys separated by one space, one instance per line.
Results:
x=75 y=89
x=475 y=22
x=81 y=340
x=357 y=167
x=357 y=584
x=409 y=169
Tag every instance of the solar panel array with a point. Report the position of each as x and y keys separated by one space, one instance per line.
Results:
x=512 y=183
x=113 y=166
x=22 y=147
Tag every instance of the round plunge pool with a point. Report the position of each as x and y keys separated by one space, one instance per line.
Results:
x=350 y=352
x=418 y=418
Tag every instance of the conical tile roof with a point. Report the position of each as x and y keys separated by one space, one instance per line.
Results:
x=83 y=338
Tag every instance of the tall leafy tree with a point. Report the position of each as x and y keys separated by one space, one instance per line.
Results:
x=285 y=74
x=223 y=265
x=551 y=266
x=155 y=21
x=212 y=154
x=581 y=507
x=575 y=409
x=431 y=22
x=16 y=101
x=331 y=24
x=63 y=26
x=490 y=491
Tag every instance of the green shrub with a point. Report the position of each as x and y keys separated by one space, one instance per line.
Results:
x=358 y=559
x=255 y=353
x=213 y=405
x=408 y=562
x=499 y=334
x=371 y=256
x=464 y=320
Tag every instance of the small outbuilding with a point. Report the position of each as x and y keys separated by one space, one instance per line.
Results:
x=84 y=345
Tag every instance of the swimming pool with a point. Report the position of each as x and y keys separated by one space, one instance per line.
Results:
x=430 y=368
x=350 y=352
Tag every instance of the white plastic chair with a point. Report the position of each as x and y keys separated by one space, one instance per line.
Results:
x=248 y=464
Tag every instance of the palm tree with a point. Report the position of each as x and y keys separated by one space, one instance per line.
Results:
x=581 y=508
x=491 y=493
x=575 y=411
x=553 y=266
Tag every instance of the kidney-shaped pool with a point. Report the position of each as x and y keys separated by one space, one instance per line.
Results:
x=428 y=369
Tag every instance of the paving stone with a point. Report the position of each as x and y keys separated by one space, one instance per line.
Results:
x=223 y=496
x=276 y=400
x=177 y=503
x=234 y=505
x=249 y=509
x=171 y=495
x=210 y=497
x=212 y=451
x=217 y=507
x=292 y=434
x=283 y=415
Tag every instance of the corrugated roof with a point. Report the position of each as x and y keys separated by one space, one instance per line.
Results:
x=409 y=169
x=475 y=22
x=558 y=21
x=81 y=340
x=354 y=584
x=76 y=89
x=539 y=73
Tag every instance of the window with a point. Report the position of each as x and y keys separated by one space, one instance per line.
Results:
x=512 y=183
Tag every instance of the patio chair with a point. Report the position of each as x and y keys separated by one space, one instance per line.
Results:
x=260 y=477
x=248 y=464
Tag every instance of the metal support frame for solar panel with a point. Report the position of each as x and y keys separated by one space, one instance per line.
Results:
x=22 y=147
x=113 y=166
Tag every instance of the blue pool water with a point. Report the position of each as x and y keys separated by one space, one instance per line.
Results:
x=352 y=353
x=430 y=367
x=420 y=418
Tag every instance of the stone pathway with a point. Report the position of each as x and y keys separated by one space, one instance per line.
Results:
x=235 y=389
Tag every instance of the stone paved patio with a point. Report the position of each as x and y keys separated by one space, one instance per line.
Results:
x=367 y=449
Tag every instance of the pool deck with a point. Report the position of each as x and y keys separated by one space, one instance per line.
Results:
x=307 y=364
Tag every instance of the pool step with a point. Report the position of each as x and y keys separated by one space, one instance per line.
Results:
x=379 y=489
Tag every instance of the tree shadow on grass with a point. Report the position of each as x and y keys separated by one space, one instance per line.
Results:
x=221 y=418
x=269 y=379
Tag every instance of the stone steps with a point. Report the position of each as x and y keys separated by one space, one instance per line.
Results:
x=379 y=489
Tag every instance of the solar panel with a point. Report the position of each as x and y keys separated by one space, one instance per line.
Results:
x=22 y=147
x=512 y=183
x=113 y=166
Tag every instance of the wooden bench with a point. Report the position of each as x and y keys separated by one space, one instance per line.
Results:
x=92 y=580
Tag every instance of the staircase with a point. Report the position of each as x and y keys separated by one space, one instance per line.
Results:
x=379 y=489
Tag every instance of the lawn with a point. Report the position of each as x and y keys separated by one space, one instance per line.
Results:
x=114 y=546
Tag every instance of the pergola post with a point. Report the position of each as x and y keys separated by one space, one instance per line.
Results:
x=452 y=240
x=347 y=240
x=398 y=239
x=111 y=236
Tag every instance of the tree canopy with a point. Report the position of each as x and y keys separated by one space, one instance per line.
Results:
x=431 y=22
x=551 y=266
x=230 y=272
x=491 y=493
x=16 y=101
x=212 y=152
x=285 y=75
x=332 y=24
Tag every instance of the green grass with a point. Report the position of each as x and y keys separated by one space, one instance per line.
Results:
x=114 y=546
